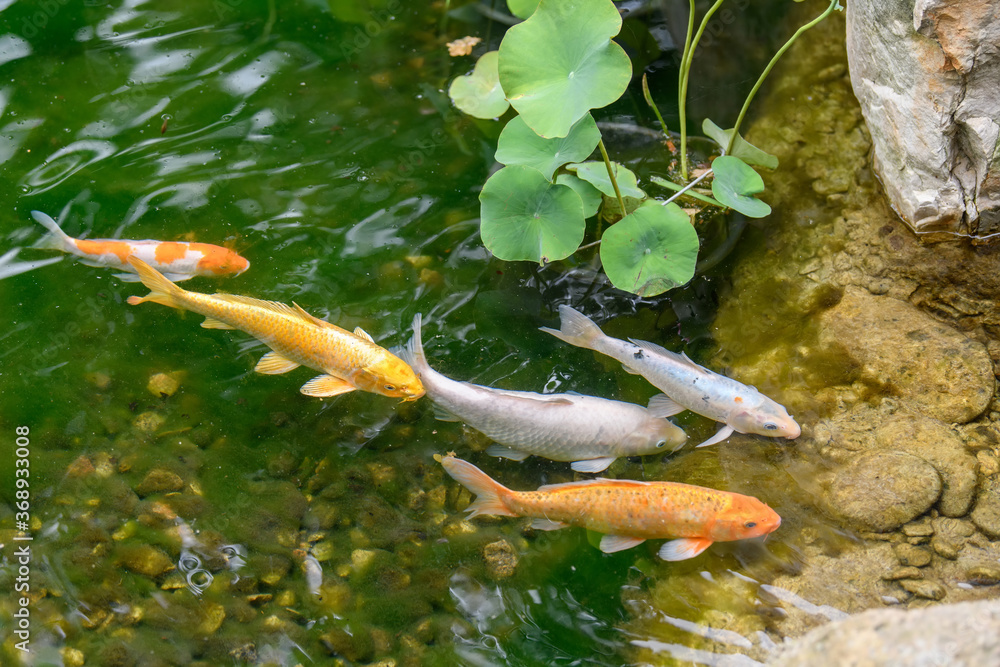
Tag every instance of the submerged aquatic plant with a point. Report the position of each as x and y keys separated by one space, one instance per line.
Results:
x=554 y=69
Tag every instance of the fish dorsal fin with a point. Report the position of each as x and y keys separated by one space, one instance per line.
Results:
x=312 y=319
x=273 y=306
x=358 y=331
x=600 y=481
x=653 y=348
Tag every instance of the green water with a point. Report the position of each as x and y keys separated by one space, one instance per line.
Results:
x=325 y=152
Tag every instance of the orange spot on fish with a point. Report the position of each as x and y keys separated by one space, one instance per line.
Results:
x=120 y=249
x=738 y=399
x=169 y=252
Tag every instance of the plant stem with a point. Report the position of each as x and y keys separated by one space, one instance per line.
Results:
x=767 y=70
x=689 y=46
x=649 y=100
x=689 y=186
x=611 y=175
x=684 y=190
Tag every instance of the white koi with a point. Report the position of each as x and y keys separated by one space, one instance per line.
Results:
x=589 y=431
x=689 y=386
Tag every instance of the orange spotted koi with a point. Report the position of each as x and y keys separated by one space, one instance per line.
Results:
x=347 y=360
x=176 y=260
x=627 y=512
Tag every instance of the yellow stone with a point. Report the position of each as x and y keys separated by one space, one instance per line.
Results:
x=163 y=384
x=213 y=614
x=71 y=657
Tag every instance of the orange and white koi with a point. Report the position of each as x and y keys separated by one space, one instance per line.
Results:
x=176 y=260
x=627 y=512
x=348 y=360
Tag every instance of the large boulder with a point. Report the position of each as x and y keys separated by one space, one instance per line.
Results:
x=926 y=73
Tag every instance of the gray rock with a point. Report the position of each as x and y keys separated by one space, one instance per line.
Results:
x=933 y=368
x=966 y=634
x=926 y=76
x=880 y=491
x=934 y=442
x=986 y=514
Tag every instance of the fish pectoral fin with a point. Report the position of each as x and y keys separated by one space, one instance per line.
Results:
x=719 y=436
x=212 y=323
x=443 y=414
x=684 y=548
x=612 y=543
x=631 y=371
x=323 y=386
x=593 y=465
x=127 y=277
x=662 y=405
x=273 y=363
x=547 y=524
x=358 y=331
x=507 y=452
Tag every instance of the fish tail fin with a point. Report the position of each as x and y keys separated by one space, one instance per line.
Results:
x=577 y=329
x=489 y=493
x=161 y=290
x=55 y=238
x=413 y=352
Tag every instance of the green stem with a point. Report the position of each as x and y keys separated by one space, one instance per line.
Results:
x=689 y=46
x=686 y=190
x=767 y=70
x=611 y=175
x=649 y=100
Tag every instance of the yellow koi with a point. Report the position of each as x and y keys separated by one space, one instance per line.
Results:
x=348 y=360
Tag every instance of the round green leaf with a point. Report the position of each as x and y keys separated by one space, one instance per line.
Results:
x=522 y=9
x=525 y=217
x=561 y=63
x=590 y=195
x=479 y=94
x=735 y=184
x=519 y=145
x=651 y=250
x=596 y=173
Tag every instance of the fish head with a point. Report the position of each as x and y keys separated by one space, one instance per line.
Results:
x=222 y=261
x=654 y=437
x=768 y=418
x=746 y=517
x=390 y=376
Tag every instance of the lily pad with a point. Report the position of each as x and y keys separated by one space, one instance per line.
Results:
x=651 y=250
x=526 y=217
x=742 y=148
x=519 y=145
x=479 y=94
x=596 y=173
x=522 y=9
x=561 y=63
x=590 y=195
x=735 y=185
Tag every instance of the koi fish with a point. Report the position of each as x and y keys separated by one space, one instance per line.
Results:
x=689 y=386
x=348 y=360
x=177 y=261
x=589 y=431
x=627 y=512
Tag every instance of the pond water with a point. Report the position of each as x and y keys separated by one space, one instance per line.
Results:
x=236 y=521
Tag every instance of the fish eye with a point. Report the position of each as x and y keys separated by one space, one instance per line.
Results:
x=771 y=426
x=390 y=387
x=660 y=444
x=750 y=524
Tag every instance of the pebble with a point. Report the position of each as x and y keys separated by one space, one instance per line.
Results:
x=908 y=572
x=501 y=559
x=146 y=560
x=921 y=528
x=986 y=514
x=881 y=491
x=983 y=575
x=945 y=547
x=213 y=614
x=911 y=555
x=163 y=385
x=148 y=422
x=930 y=590
x=159 y=480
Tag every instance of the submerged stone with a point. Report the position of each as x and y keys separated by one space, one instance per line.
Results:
x=880 y=491
x=146 y=560
x=932 y=367
x=937 y=444
x=159 y=480
x=986 y=514
x=501 y=559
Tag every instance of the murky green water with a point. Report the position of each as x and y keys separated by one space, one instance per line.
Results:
x=191 y=529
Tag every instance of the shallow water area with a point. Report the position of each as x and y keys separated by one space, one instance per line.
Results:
x=187 y=511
